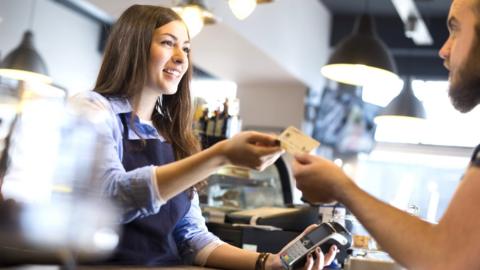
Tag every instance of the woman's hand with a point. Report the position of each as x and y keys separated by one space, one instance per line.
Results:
x=316 y=260
x=251 y=149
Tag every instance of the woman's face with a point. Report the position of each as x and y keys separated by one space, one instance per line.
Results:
x=168 y=57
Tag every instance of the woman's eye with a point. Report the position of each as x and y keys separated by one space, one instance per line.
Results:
x=186 y=50
x=167 y=42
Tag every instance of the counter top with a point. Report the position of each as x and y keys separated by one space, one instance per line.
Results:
x=115 y=267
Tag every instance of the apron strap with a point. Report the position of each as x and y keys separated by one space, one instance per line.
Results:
x=123 y=118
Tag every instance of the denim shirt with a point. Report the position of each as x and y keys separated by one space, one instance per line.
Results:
x=135 y=191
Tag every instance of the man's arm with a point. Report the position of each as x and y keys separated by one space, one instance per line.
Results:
x=408 y=239
x=452 y=244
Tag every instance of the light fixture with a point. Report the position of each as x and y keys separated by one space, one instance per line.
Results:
x=243 y=8
x=24 y=63
x=195 y=15
x=405 y=106
x=361 y=57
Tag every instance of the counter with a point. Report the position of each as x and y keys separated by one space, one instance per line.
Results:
x=56 y=267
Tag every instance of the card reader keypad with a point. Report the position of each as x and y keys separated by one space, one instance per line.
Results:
x=296 y=250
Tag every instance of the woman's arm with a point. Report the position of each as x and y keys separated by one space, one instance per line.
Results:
x=249 y=149
x=142 y=191
x=230 y=257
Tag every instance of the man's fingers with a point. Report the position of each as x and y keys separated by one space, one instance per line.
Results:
x=303 y=158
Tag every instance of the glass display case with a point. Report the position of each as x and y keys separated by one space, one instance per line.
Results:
x=237 y=188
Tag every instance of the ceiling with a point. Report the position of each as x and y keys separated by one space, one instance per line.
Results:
x=412 y=60
x=255 y=51
x=428 y=8
x=228 y=50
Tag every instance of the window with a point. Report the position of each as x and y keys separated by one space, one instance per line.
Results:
x=443 y=126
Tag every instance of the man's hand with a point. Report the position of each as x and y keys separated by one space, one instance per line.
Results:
x=319 y=179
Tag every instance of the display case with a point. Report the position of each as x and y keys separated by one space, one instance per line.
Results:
x=254 y=210
x=234 y=188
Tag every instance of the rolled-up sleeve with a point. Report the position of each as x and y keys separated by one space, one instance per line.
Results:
x=134 y=192
x=191 y=233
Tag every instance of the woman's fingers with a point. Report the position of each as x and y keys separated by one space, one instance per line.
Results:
x=320 y=260
x=309 y=262
x=330 y=256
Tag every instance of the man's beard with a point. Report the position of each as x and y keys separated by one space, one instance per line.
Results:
x=464 y=89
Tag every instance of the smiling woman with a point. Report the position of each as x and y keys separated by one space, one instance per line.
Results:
x=170 y=42
x=153 y=158
x=161 y=35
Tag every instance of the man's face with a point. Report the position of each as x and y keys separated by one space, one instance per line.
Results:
x=460 y=53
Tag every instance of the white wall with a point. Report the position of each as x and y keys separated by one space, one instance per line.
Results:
x=272 y=107
x=296 y=33
x=66 y=40
x=282 y=43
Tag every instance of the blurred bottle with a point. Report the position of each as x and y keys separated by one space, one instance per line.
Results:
x=222 y=121
x=211 y=123
x=202 y=122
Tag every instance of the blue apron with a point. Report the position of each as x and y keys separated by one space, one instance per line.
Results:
x=149 y=241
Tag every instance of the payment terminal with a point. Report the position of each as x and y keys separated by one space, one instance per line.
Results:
x=325 y=235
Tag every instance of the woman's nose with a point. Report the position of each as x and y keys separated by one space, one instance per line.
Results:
x=179 y=56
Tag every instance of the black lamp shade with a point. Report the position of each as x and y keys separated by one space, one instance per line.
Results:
x=362 y=48
x=405 y=104
x=24 y=61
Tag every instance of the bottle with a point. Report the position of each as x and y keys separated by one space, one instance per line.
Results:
x=210 y=130
x=202 y=122
x=227 y=120
x=219 y=123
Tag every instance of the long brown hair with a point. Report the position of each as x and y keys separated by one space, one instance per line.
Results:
x=124 y=72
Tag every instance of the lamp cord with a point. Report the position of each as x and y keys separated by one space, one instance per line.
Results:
x=32 y=14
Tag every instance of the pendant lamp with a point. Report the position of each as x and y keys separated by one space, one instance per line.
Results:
x=243 y=8
x=405 y=105
x=361 y=57
x=195 y=15
x=24 y=63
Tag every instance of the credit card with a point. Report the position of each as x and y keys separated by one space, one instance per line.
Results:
x=296 y=142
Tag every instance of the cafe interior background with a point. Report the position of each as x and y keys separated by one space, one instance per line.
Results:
x=270 y=66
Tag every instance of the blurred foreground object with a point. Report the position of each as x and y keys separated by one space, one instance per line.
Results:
x=52 y=209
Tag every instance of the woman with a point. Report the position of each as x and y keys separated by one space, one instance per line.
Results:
x=153 y=158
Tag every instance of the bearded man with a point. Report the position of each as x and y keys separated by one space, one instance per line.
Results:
x=453 y=243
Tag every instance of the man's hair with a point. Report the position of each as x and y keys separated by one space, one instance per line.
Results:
x=125 y=71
